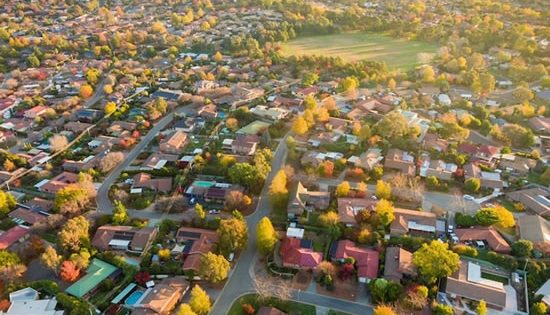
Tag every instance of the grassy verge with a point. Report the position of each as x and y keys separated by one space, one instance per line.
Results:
x=285 y=306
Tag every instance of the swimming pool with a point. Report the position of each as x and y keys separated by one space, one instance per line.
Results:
x=203 y=183
x=133 y=298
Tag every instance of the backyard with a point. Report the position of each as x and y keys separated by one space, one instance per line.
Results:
x=397 y=53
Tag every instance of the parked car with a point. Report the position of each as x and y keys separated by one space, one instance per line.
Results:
x=450 y=229
x=468 y=197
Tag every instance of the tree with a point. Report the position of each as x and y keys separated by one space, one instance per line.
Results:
x=164 y=254
x=481 y=308
x=218 y=57
x=506 y=218
x=384 y=291
x=518 y=136
x=486 y=217
x=81 y=259
x=442 y=309
x=110 y=161
x=435 y=260
x=278 y=192
x=522 y=248
x=86 y=91
x=74 y=234
x=199 y=211
x=393 y=126
x=392 y=84
x=199 y=301
x=322 y=115
x=92 y=76
x=472 y=185
x=428 y=74
x=384 y=209
x=266 y=236
x=58 y=142
x=233 y=235
x=539 y=308
x=310 y=78
x=300 y=126
x=545 y=177
x=71 y=199
x=214 y=268
x=343 y=189
x=51 y=259
x=232 y=123
x=523 y=94
x=33 y=61
x=7 y=203
x=8 y=259
x=9 y=166
x=310 y=102
x=185 y=309
x=237 y=200
x=120 y=214
x=384 y=310
x=487 y=82
x=109 y=108
x=243 y=174
x=383 y=190
x=68 y=271
x=348 y=84
x=328 y=219
x=108 y=89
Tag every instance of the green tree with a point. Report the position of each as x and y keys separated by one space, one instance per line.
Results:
x=120 y=214
x=199 y=211
x=435 y=260
x=486 y=217
x=243 y=174
x=384 y=291
x=310 y=102
x=7 y=203
x=266 y=236
x=233 y=235
x=199 y=301
x=214 y=268
x=384 y=209
x=545 y=177
x=522 y=248
x=472 y=185
x=523 y=94
x=310 y=78
x=383 y=190
x=33 y=61
x=393 y=126
x=81 y=259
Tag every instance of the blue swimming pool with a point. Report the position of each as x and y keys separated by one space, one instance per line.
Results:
x=133 y=298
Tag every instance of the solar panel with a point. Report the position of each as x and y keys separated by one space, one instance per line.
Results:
x=126 y=236
x=188 y=234
x=306 y=244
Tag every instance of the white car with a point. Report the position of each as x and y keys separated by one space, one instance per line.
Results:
x=468 y=197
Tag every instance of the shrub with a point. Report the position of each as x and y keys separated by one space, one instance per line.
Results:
x=465 y=250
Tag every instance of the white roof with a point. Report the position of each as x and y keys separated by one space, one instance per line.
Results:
x=295 y=232
x=420 y=227
x=42 y=307
x=545 y=292
x=187 y=158
x=94 y=143
x=474 y=275
x=41 y=183
x=490 y=175
x=227 y=141
x=115 y=242
x=160 y=164
x=136 y=191
x=24 y=295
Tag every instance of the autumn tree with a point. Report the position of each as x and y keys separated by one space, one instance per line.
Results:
x=343 y=189
x=218 y=57
x=278 y=192
x=435 y=260
x=110 y=161
x=348 y=84
x=120 y=214
x=383 y=190
x=237 y=200
x=266 y=236
x=522 y=248
x=9 y=166
x=81 y=259
x=233 y=235
x=428 y=74
x=51 y=259
x=300 y=126
x=108 y=89
x=392 y=126
x=58 y=142
x=384 y=209
x=199 y=211
x=539 y=308
x=472 y=185
x=214 y=268
x=74 y=234
x=109 y=108
x=384 y=310
x=199 y=301
x=86 y=91
x=328 y=219
x=232 y=123
x=68 y=271
x=71 y=199
x=7 y=203
x=185 y=309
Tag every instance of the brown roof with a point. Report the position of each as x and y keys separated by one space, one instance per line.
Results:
x=162 y=298
x=59 y=182
x=458 y=284
x=348 y=208
x=201 y=241
x=40 y=204
x=29 y=216
x=534 y=228
x=264 y=310
x=398 y=263
x=488 y=234
x=405 y=216
x=144 y=180
x=139 y=237
x=400 y=160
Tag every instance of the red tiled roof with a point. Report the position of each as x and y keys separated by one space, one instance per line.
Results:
x=293 y=254
x=366 y=260
x=488 y=234
x=12 y=235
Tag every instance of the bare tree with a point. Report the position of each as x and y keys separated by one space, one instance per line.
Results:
x=58 y=142
x=267 y=287
x=110 y=161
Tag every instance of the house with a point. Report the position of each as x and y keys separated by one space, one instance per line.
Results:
x=517 y=165
x=196 y=242
x=299 y=254
x=209 y=111
x=486 y=153
x=413 y=222
x=467 y=283
x=118 y=128
x=40 y=205
x=96 y=273
x=162 y=298
x=245 y=144
x=174 y=143
x=433 y=142
x=314 y=158
x=210 y=191
x=158 y=160
x=444 y=100
x=303 y=92
x=124 y=238
x=536 y=229
x=544 y=290
x=539 y=124
x=367 y=160
x=488 y=235
x=27 y=302
x=438 y=168
x=88 y=115
x=535 y=199
x=14 y=235
x=366 y=260
x=301 y=199
x=398 y=264
x=486 y=179
x=35 y=112
x=58 y=182
x=401 y=161
x=85 y=164
x=349 y=207
x=144 y=180
x=76 y=126
x=271 y=113
x=26 y=217
x=168 y=95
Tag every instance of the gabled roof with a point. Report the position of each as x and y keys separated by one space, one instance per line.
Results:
x=366 y=260
x=534 y=228
x=96 y=272
x=12 y=235
x=488 y=234
x=293 y=252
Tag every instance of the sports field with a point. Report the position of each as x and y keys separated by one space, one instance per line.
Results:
x=397 y=53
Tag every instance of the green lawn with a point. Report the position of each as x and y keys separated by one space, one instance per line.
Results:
x=285 y=306
x=397 y=53
x=494 y=277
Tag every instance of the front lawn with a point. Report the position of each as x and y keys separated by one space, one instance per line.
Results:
x=290 y=307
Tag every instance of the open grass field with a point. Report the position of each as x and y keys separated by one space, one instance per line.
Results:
x=397 y=53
